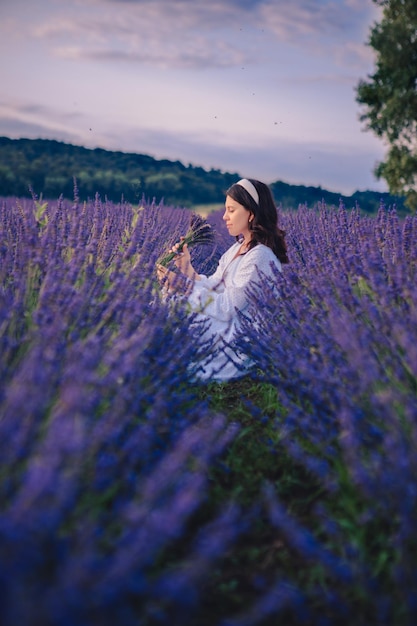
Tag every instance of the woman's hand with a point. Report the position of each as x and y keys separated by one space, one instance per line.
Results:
x=172 y=281
x=165 y=276
x=183 y=260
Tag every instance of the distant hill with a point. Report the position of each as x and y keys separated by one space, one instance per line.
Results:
x=49 y=168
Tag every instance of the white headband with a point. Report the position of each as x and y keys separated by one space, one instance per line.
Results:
x=250 y=188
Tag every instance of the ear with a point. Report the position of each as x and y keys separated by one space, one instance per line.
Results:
x=251 y=216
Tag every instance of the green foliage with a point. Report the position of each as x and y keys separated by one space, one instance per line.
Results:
x=390 y=95
x=49 y=168
x=41 y=216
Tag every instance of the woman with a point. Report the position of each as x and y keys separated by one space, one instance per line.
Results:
x=219 y=300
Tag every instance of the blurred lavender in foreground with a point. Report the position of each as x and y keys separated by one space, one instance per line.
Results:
x=98 y=424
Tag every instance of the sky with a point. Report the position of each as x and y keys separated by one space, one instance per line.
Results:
x=262 y=88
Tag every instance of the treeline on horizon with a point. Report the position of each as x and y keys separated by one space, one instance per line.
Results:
x=48 y=168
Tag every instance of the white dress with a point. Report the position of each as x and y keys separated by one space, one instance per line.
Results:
x=217 y=299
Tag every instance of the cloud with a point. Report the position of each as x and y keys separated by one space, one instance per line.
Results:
x=174 y=34
x=15 y=128
x=72 y=28
x=24 y=110
x=196 y=56
x=356 y=56
x=224 y=5
x=323 y=28
x=320 y=79
x=34 y=121
x=153 y=18
x=171 y=18
x=311 y=17
x=194 y=34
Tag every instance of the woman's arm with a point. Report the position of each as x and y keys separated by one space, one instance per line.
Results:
x=231 y=295
x=178 y=282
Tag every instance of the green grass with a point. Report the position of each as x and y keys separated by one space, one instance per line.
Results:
x=255 y=456
x=258 y=455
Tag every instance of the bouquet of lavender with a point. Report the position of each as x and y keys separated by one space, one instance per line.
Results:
x=199 y=231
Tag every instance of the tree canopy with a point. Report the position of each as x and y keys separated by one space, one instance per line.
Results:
x=390 y=95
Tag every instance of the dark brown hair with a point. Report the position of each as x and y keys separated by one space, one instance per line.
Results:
x=264 y=226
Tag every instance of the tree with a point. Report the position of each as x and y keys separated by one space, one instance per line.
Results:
x=390 y=95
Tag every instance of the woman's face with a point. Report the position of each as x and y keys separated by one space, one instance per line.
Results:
x=237 y=218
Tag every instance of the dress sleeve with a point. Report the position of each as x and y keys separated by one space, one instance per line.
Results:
x=220 y=300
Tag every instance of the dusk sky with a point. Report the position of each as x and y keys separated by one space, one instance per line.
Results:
x=264 y=88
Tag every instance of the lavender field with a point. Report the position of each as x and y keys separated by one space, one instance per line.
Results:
x=132 y=495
